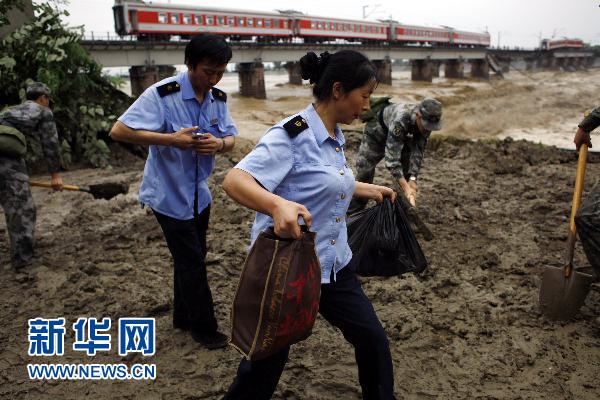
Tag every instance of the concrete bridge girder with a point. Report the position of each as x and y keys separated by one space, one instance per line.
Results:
x=119 y=54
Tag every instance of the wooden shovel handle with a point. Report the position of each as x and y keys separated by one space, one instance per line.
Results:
x=579 y=179
x=49 y=185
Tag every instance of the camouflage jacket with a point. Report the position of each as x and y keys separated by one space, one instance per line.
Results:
x=591 y=121
x=402 y=140
x=35 y=122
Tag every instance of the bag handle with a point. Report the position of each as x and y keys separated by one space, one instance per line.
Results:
x=270 y=231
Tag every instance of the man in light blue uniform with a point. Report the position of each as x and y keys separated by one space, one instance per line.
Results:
x=185 y=120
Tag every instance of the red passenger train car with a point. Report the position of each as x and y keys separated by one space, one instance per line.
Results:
x=549 y=44
x=161 y=21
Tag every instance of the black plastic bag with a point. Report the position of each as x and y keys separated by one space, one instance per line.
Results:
x=588 y=227
x=382 y=242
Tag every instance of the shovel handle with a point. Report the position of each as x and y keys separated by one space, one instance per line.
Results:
x=579 y=179
x=49 y=185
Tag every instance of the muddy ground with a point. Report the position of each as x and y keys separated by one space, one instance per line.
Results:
x=467 y=328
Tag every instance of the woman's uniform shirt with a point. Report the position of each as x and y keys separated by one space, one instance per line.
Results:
x=304 y=164
x=173 y=176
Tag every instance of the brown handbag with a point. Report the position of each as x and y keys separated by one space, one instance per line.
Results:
x=277 y=298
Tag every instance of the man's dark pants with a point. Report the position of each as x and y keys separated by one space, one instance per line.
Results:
x=193 y=303
x=344 y=305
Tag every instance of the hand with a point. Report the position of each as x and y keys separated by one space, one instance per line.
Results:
x=182 y=139
x=377 y=193
x=285 y=216
x=582 y=137
x=208 y=145
x=56 y=181
x=410 y=191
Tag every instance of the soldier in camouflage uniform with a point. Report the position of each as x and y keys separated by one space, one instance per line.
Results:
x=588 y=215
x=33 y=118
x=398 y=133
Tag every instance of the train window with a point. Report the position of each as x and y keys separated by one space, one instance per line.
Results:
x=220 y=20
x=174 y=18
x=250 y=21
x=242 y=21
x=162 y=18
x=187 y=19
x=267 y=23
x=312 y=24
x=198 y=19
x=259 y=22
x=210 y=20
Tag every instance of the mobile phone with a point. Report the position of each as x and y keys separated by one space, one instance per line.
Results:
x=198 y=135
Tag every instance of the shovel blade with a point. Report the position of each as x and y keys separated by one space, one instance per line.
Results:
x=562 y=297
x=108 y=190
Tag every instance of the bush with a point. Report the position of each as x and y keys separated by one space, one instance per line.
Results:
x=84 y=102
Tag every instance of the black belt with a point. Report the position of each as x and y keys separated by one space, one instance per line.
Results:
x=380 y=118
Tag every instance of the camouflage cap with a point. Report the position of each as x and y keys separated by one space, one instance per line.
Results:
x=431 y=113
x=37 y=89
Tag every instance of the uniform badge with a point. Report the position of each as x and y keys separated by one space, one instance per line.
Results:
x=168 y=88
x=214 y=121
x=219 y=94
x=295 y=125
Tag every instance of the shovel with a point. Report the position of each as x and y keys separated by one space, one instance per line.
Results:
x=100 y=191
x=564 y=289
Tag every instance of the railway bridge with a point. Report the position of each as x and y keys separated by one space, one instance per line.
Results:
x=151 y=61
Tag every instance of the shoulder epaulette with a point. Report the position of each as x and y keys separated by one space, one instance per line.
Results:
x=295 y=125
x=219 y=94
x=168 y=88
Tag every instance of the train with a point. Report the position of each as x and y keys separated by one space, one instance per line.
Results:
x=565 y=43
x=159 y=21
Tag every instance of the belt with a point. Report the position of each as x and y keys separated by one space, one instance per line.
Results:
x=380 y=119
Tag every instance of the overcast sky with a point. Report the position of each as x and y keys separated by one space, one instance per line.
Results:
x=513 y=22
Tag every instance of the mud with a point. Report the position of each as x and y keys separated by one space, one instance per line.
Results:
x=467 y=328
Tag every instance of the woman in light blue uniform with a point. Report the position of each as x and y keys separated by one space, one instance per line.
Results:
x=299 y=170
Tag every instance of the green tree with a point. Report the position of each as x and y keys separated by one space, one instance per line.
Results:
x=84 y=102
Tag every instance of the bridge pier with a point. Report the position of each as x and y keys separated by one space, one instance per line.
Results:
x=589 y=62
x=569 y=64
x=421 y=70
x=384 y=71
x=435 y=69
x=294 y=73
x=144 y=76
x=529 y=64
x=480 y=69
x=454 y=69
x=252 y=80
